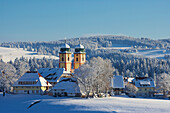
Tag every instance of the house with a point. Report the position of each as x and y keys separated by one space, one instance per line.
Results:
x=145 y=85
x=66 y=87
x=53 y=75
x=117 y=84
x=31 y=83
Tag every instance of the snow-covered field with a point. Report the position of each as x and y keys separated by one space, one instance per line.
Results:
x=8 y=54
x=48 y=104
x=117 y=47
x=153 y=53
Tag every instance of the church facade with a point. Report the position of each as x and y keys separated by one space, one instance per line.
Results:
x=65 y=57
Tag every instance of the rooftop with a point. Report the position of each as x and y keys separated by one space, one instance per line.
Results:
x=32 y=77
x=65 y=46
x=117 y=82
x=79 y=46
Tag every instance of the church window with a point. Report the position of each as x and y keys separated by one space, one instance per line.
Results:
x=83 y=58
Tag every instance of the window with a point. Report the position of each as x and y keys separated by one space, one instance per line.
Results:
x=37 y=91
x=68 y=58
x=76 y=59
x=62 y=59
x=83 y=58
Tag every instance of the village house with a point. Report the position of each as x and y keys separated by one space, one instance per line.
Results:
x=145 y=85
x=117 y=84
x=66 y=87
x=31 y=83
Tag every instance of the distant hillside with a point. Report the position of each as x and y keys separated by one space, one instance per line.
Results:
x=10 y=54
x=93 y=42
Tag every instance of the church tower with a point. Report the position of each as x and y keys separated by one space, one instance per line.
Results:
x=79 y=56
x=65 y=57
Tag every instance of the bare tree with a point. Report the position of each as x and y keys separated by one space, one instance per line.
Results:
x=163 y=82
x=7 y=76
x=95 y=76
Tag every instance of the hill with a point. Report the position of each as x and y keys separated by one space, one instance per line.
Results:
x=8 y=54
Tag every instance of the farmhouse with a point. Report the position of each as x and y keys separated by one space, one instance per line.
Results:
x=117 y=84
x=66 y=87
x=145 y=85
x=31 y=83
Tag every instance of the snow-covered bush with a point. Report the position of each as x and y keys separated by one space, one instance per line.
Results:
x=131 y=90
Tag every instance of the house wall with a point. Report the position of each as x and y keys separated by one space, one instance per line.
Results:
x=145 y=91
x=62 y=92
x=29 y=89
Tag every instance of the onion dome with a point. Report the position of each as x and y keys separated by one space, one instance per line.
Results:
x=79 y=49
x=65 y=48
x=80 y=46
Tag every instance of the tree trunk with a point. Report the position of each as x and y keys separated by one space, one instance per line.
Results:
x=164 y=93
x=3 y=92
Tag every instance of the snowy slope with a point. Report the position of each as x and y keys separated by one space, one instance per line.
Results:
x=48 y=104
x=8 y=54
x=153 y=53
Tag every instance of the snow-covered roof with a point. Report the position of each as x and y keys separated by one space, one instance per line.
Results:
x=130 y=79
x=52 y=74
x=68 y=84
x=32 y=77
x=146 y=82
x=65 y=46
x=79 y=46
x=117 y=82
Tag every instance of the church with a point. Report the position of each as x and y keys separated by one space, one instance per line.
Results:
x=65 y=60
x=67 y=85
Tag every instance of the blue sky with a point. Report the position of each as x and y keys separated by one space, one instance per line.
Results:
x=48 y=20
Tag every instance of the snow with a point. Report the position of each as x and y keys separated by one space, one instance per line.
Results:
x=80 y=46
x=69 y=86
x=153 y=53
x=19 y=104
x=40 y=81
x=52 y=74
x=118 y=82
x=65 y=46
x=117 y=47
x=147 y=82
x=13 y=53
